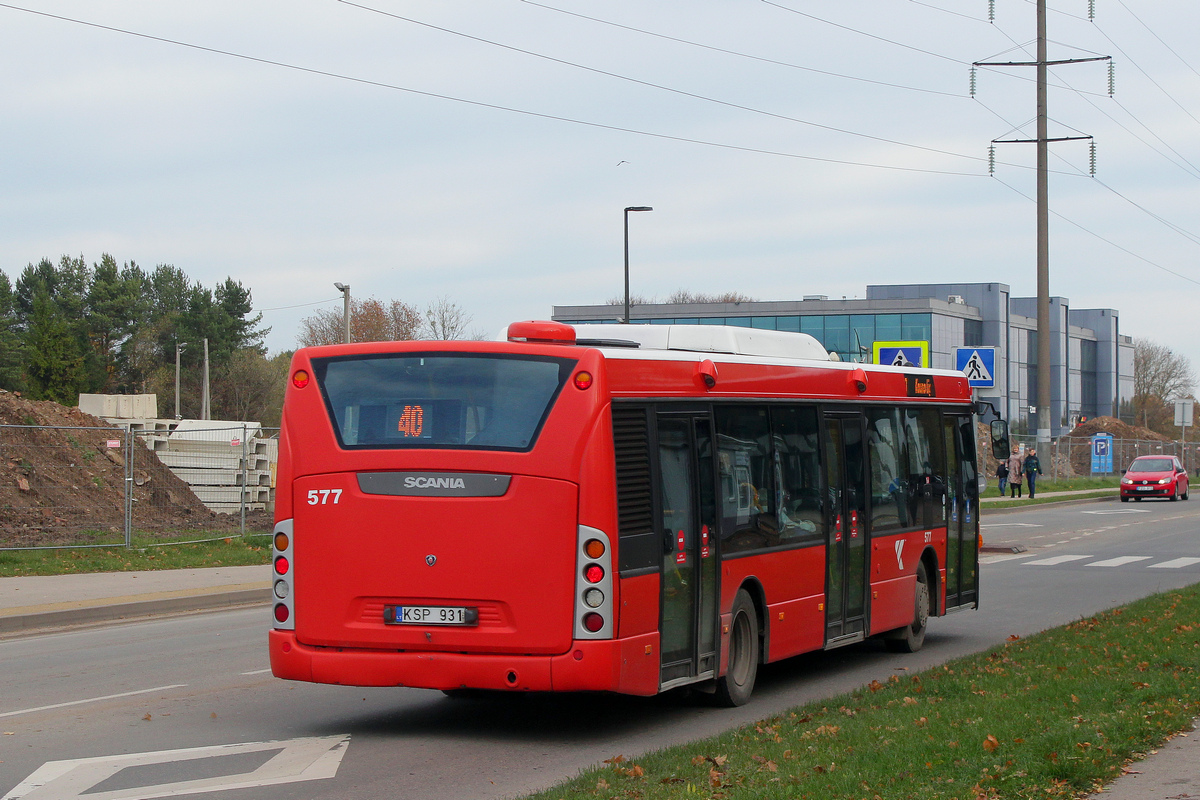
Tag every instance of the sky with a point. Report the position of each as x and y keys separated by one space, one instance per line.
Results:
x=483 y=151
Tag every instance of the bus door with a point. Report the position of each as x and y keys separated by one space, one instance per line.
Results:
x=846 y=525
x=962 y=511
x=687 y=517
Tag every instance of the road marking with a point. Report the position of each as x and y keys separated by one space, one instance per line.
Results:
x=116 y=777
x=1012 y=525
x=1055 y=560
x=1175 y=563
x=1119 y=561
x=257 y=671
x=1118 y=511
x=91 y=700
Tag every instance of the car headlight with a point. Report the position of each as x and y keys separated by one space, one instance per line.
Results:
x=1127 y=481
x=1163 y=480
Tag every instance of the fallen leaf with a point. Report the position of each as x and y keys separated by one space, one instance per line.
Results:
x=615 y=760
x=991 y=744
x=213 y=715
x=146 y=718
x=874 y=686
x=1012 y=637
x=601 y=784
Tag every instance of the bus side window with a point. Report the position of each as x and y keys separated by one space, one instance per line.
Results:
x=748 y=515
x=889 y=493
x=795 y=433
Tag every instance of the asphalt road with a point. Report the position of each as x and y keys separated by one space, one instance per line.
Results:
x=194 y=692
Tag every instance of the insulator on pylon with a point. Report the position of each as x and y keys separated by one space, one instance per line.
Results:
x=991 y=159
x=972 y=81
x=991 y=10
x=1092 y=158
x=1112 y=78
x=1091 y=9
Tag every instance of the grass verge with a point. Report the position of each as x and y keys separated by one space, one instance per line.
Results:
x=146 y=553
x=1052 y=716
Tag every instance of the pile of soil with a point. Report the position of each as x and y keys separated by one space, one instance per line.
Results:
x=1117 y=429
x=1078 y=455
x=61 y=478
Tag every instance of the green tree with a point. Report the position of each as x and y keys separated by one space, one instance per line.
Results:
x=12 y=346
x=56 y=368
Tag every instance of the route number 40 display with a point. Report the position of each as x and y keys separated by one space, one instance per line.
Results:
x=322 y=496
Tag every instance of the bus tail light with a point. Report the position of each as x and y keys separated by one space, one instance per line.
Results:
x=583 y=380
x=300 y=378
x=594 y=607
x=284 y=560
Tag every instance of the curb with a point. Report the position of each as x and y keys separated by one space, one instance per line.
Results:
x=1009 y=509
x=110 y=612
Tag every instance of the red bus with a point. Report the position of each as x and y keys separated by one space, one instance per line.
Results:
x=624 y=508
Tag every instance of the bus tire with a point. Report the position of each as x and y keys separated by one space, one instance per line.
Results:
x=910 y=638
x=736 y=685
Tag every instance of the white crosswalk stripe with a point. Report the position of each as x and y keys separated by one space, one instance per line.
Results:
x=1175 y=563
x=1118 y=561
x=1055 y=560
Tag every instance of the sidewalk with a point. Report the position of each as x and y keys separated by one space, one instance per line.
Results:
x=991 y=494
x=56 y=601
x=1170 y=773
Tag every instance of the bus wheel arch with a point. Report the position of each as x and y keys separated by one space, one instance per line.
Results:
x=746 y=649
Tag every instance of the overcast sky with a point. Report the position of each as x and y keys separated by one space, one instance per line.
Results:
x=483 y=150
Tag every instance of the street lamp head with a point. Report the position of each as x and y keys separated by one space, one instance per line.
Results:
x=342 y=287
x=639 y=208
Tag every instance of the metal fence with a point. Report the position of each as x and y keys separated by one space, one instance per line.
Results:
x=143 y=484
x=1071 y=456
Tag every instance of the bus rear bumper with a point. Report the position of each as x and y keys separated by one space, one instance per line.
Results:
x=629 y=666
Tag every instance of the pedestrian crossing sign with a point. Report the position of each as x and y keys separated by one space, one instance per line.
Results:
x=901 y=354
x=978 y=364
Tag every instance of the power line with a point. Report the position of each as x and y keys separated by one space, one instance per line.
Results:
x=300 y=305
x=1156 y=36
x=1147 y=75
x=659 y=86
x=482 y=104
x=1085 y=97
x=741 y=54
x=1105 y=240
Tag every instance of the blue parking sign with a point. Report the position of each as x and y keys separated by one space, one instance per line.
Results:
x=1102 y=454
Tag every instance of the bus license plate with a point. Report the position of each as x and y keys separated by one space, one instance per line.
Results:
x=430 y=615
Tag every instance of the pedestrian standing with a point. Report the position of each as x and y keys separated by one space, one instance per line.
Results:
x=1033 y=468
x=1002 y=476
x=1016 y=471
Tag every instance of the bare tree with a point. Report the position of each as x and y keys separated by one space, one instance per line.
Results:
x=1159 y=375
x=371 y=320
x=688 y=296
x=448 y=321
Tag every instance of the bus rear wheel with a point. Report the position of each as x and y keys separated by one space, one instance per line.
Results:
x=736 y=685
x=910 y=638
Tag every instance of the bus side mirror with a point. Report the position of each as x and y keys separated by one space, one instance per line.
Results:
x=1000 y=446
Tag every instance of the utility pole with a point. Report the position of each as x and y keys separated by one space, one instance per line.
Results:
x=204 y=398
x=1044 y=420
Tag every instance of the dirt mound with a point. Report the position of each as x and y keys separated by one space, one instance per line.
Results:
x=1117 y=429
x=62 y=478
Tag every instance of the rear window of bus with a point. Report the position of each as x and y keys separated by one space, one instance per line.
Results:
x=437 y=400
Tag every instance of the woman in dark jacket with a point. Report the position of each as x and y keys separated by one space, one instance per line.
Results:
x=1033 y=468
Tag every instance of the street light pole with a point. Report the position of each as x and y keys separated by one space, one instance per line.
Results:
x=178 y=348
x=627 y=210
x=344 y=288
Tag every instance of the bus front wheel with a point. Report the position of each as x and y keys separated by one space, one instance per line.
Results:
x=910 y=638
x=735 y=686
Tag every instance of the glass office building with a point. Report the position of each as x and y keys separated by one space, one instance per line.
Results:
x=1091 y=361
